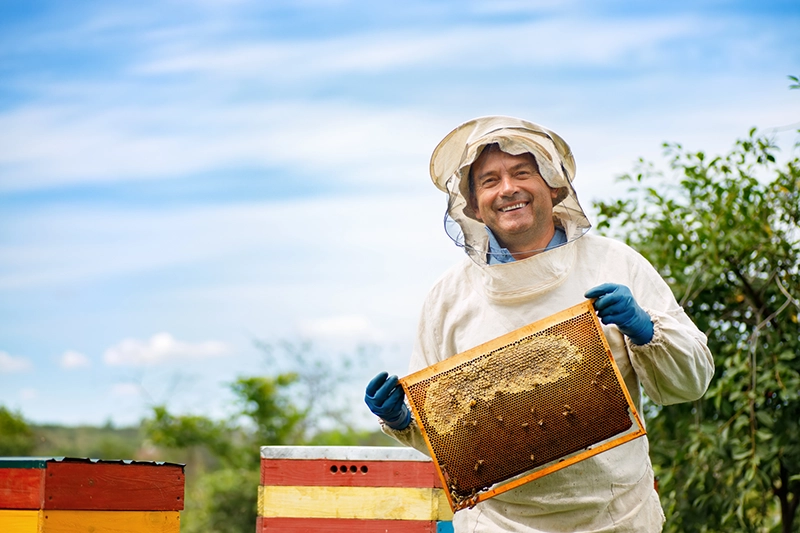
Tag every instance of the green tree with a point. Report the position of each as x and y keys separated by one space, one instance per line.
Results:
x=224 y=500
x=324 y=387
x=300 y=403
x=275 y=417
x=198 y=436
x=725 y=233
x=265 y=415
x=16 y=437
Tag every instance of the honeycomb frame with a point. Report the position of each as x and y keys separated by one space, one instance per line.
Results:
x=521 y=406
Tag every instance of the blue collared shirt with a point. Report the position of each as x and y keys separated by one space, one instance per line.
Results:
x=497 y=254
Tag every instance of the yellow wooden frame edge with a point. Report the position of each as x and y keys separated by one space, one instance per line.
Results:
x=499 y=342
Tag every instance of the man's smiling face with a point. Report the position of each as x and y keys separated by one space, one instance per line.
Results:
x=512 y=198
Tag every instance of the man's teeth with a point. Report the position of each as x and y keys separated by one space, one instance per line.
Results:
x=515 y=206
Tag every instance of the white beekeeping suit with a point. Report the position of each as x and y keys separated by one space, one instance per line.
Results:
x=475 y=302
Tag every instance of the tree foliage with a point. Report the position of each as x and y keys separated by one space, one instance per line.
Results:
x=16 y=437
x=191 y=432
x=725 y=233
x=301 y=404
x=224 y=500
x=275 y=417
x=265 y=415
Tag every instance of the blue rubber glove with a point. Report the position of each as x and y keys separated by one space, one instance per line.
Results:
x=384 y=398
x=615 y=305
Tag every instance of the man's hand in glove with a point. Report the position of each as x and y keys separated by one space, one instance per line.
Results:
x=384 y=398
x=615 y=305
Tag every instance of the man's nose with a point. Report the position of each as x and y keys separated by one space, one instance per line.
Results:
x=507 y=185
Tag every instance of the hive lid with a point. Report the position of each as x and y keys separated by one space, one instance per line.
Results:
x=42 y=462
x=521 y=406
x=344 y=453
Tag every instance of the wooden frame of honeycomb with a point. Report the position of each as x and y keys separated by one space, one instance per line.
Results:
x=524 y=405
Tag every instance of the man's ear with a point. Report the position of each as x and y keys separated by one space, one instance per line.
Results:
x=558 y=194
x=473 y=204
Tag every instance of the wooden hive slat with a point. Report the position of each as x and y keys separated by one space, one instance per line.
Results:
x=117 y=487
x=324 y=525
x=88 y=484
x=336 y=489
x=344 y=473
x=21 y=488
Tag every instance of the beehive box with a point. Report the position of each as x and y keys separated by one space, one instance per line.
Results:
x=353 y=489
x=524 y=405
x=63 y=495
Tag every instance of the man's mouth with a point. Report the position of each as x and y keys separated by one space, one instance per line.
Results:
x=512 y=207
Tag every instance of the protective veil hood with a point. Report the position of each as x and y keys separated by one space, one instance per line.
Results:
x=455 y=154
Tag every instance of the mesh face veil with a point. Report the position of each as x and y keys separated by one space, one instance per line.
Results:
x=455 y=154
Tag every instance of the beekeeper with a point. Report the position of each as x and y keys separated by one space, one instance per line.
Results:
x=511 y=205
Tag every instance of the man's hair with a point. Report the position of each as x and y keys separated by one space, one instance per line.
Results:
x=489 y=148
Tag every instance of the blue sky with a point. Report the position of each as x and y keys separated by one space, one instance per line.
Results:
x=178 y=179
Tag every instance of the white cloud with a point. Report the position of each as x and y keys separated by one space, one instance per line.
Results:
x=160 y=348
x=558 y=40
x=10 y=364
x=72 y=359
x=123 y=390
x=28 y=394
x=519 y=6
x=340 y=327
x=187 y=128
x=90 y=245
x=349 y=143
x=298 y=60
